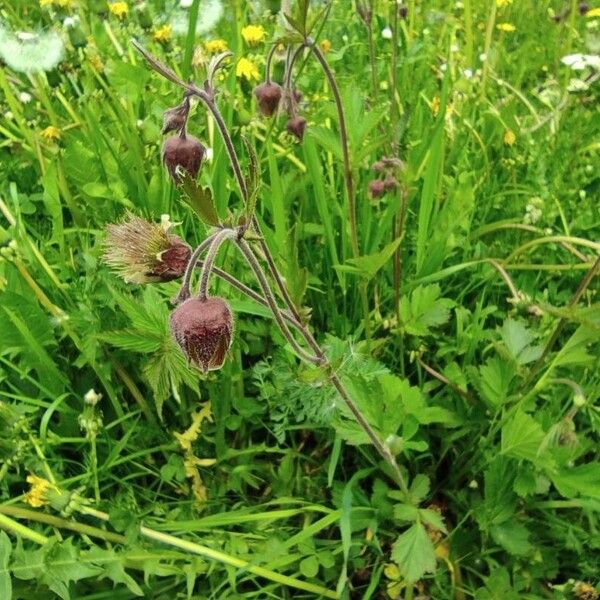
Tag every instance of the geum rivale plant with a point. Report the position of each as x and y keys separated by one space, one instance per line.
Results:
x=202 y=325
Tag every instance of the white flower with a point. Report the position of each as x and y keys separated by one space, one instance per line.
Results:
x=91 y=397
x=26 y=51
x=579 y=62
x=468 y=73
x=386 y=33
x=454 y=48
x=577 y=85
x=186 y=3
x=24 y=98
x=70 y=22
x=483 y=57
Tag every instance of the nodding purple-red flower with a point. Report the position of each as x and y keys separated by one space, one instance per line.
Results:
x=268 y=96
x=203 y=329
x=183 y=152
x=296 y=126
x=144 y=252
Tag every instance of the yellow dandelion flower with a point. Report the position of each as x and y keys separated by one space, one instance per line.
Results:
x=248 y=69
x=503 y=3
x=119 y=9
x=594 y=12
x=51 y=133
x=163 y=34
x=37 y=496
x=325 y=46
x=214 y=46
x=508 y=27
x=509 y=137
x=253 y=34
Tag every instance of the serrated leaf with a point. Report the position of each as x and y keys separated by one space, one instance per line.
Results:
x=522 y=437
x=494 y=380
x=134 y=340
x=512 y=536
x=406 y=513
x=517 y=339
x=419 y=488
x=414 y=554
x=200 y=199
x=583 y=480
x=424 y=309
x=433 y=518
x=499 y=499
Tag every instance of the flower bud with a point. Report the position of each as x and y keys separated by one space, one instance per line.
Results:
x=186 y=153
x=403 y=11
x=296 y=126
x=268 y=96
x=203 y=329
x=378 y=166
x=174 y=119
x=584 y=8
x=376 y=188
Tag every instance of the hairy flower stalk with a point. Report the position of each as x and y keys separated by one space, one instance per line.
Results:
x=207 y=96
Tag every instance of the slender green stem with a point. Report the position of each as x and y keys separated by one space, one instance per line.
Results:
x=209 y=261
x=185 y=291
x=9 y=524
x=189 y=40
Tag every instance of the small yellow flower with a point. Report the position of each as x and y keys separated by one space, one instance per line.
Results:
x=119 y=9
x=508 y=27
x=594 y=12
x=246 y=68
x=509 y=137
x=96 y=63
x=51 y=133
x=37 y=496
x=503 y=3
x=325 y=46
x=163 y=34
x=253 y=34
x=214 y=46
x=435 y=106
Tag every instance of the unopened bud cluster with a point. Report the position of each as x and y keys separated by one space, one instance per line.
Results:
x=386 y=169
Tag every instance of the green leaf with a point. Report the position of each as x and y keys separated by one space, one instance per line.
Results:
x=424 y=309
x=368 y=266
x=433 y=518
x=5 y=578
x=497 y=587
x=134 y=340
x=583 y=480
x=252 y=180
x=200 y=199
x=499 y=499
x=513 y=537
x=419 y=488
x=406 y=513
x=494 y=380
x=309 y=567
x=414 y=554
x=517 y=339
x=522 y=437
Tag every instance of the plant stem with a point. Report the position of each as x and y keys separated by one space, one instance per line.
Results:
x=209 y=261
x=185 y=291
x=343 y=141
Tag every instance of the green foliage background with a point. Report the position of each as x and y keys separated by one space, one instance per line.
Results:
x=477 y=359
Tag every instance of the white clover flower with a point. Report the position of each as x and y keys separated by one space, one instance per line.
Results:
x=580 y=62
x=533 y=210
x=91 y=397
x=468 y=73
x=70 y=22
x=209 y=16
x=386 y=33
x=24 y=98
x=27 y=52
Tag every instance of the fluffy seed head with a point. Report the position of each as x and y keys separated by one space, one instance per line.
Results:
x=268 y=96
x=186 y=153
x=144 y=252
x=296 y=126
x=203 y=329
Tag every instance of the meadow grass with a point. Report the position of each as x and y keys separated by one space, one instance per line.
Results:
x=442 y=249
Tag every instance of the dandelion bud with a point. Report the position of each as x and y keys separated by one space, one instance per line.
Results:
x=268 y=96
x=390 y=183
x=203 y=329
x=296 y=126
x=403 y=11
x=143 y=252
x=186 y=153
x=376 y=188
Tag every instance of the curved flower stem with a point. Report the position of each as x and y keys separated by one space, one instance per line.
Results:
x=270 y=55
x=209 y=261
x=237 y=284
x=343 y=140
x=264 y=284
x=185 y=292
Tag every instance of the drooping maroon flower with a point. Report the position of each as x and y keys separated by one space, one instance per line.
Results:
x=268 y=95
x=296 y=126
x=203 y=329
x=185 y=153
x=144 y=252
x=376 y=188
x=390 y=183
